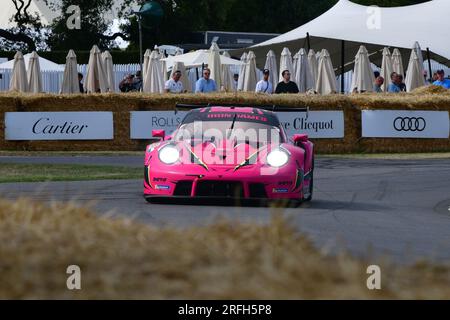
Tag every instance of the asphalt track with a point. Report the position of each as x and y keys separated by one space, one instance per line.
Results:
x=399 y=209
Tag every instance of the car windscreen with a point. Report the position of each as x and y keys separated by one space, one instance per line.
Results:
x=231 y=125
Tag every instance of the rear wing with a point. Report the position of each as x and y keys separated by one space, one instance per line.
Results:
x=273 y=108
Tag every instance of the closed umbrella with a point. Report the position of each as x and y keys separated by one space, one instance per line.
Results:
x=163 y=68
x=34 y=74
x=303 y=75
x=271 y=65
x=295 y=63
x=179 y=66
x=153 y=75
x=95 y=76
x=227 y=76
x=251 y=76
x=285 y=63
x=414 y=74
x=386 y=68
x=109 y=70
x=397 y=62
x=147 y=54
x=326 y=78
x=313 y=64
x=363 y=78
x=214 y=65
x=19 y=74
x=418 y=52
x=242 y=72
x=70 y=82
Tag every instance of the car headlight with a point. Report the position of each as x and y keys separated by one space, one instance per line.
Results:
x=277 y=158
x=169 y=154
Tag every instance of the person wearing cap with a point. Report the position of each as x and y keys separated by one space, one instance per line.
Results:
x=264 y=85
x=286 y=86
x=441 y=81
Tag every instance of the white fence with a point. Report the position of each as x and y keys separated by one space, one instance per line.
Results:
x=52 y=80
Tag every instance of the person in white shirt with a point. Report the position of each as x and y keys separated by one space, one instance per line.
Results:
x=174 y=85
x=264 y=86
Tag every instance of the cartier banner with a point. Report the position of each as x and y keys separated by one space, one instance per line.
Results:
x=59 y=126
x=405 y=124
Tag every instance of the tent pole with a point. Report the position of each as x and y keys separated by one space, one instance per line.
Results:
x=308 y=41
x=430 y=76
x=342 y=66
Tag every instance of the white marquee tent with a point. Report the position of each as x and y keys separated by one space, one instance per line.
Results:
x=372 y=27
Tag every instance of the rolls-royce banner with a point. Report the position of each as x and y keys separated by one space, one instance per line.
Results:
x=405 y=124
x=59 y=126
x=143 y=122
x=317 y=124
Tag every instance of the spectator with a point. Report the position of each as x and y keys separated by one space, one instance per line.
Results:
x=137 y=82
x=174 y=85
x=376 y=74
x=441 y=81
x=435 y=77
x=377 y=85
x=400 y=83
x=127 y=84
x=264 y=85
x=393 y=87
x=80 y=83
x=286 y=86
x=205 y=84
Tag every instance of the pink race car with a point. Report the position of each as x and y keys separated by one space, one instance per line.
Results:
x=230 y=152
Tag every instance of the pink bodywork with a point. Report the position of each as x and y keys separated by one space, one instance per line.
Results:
x=224 y=159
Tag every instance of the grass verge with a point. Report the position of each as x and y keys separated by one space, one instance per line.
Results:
x=11 y=172
x=124 y=259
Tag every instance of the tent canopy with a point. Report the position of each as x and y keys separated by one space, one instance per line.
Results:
x=373 y=27
x=197 y=59
x=46 y=65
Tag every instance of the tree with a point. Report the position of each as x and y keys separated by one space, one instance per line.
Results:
x=181 y=17
x=28 y=32
x=94 y=27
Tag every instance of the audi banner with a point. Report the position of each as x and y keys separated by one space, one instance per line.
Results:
x=405 y=124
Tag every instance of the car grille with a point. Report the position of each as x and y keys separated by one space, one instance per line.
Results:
x=183 y=188
x=219 y=189
x=257 y=190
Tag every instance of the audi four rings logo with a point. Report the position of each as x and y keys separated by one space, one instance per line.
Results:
x=410 y=124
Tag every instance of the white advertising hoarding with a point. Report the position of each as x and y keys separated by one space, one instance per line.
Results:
x=405 y=124
x=143 y=122
x=316 y=124
x=59 y=126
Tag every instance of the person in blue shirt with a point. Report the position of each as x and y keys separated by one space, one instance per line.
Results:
x=441 y=81
x=205 y=84
x=394 y=85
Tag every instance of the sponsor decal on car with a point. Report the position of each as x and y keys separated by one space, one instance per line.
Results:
x=162 y=187
x=280 y=190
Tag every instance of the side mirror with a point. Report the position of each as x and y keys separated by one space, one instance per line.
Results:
x=159 y=134
x=300 y=138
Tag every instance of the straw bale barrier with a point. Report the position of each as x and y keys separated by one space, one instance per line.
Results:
x=124 y=259
x=429 y=98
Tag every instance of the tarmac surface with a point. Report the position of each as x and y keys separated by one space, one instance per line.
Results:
x=395 y=209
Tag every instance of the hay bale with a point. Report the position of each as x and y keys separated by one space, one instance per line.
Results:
x=123 y=259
